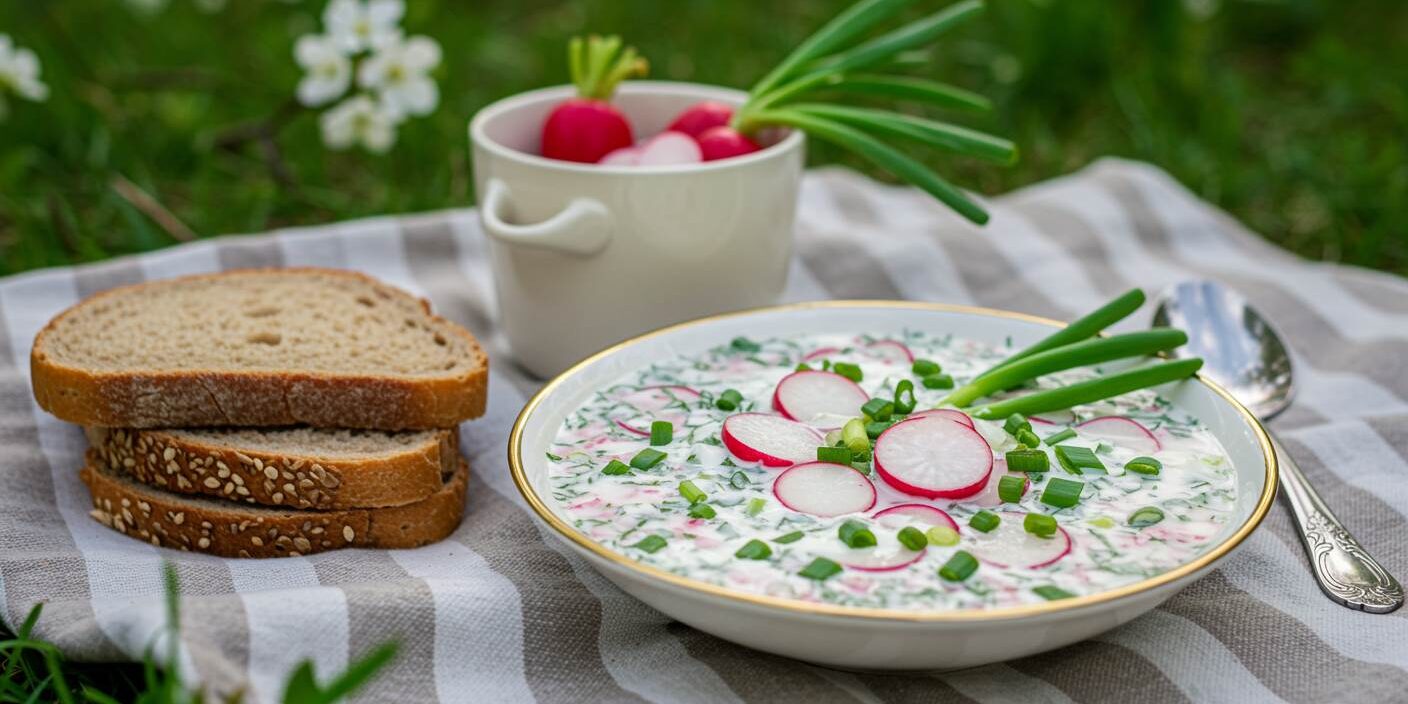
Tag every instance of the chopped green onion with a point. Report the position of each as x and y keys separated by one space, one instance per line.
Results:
x=873 y=430
x=1051 y=593
x=848 y=370
x=959 y=567
x=701 y=511
x=925 y=367
x=862 y=456
x=1028 y=438
x=942 y=535
x=1010 y=488
x=1015 y=423
x=854 y=435
x=1075 y=459
x=856 y=534
x=1103 y=448
x=739 y=480
x=904 y=397
x=792 y=537
x=743 y=344
x=834 y=455
x=1027 y=461
x=878 y=408
x=650 y=543
x=616 y=467
x=1097 y=389
x=1054 y=438
x=1062 y=493
x=984 y=521
x=754 y=550
x=803 y=367
x=938 y=381
x=1039 y=524
x=692 y=493
x=1147 y=516
x=729 y=400
x=1102 y=522
x=820 y=569
x=1144 y=465
x=756 y=506
x=647 y=458
x=912 y=538
x=661 y=432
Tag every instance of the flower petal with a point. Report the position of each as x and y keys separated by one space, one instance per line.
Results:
x=419 y=96
x=420 y=53
x=385 y=13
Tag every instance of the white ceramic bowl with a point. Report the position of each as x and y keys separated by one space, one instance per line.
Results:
x=874 y=639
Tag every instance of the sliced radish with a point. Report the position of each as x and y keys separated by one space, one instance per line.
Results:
x=1009 y=544
x=822 y=352
x=881 y=558
x=933 y=457
x=625 y=156
x=654 y=403
x=988 y=497
x=772 y=440
x=890 y=351
x=1121 y=431
x=824 y=489
x=1037 y=420
x=905 y=514
x=668 y=148
x=818 y=397
x=949 y=413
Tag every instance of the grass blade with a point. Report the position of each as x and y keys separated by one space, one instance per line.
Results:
x=360 y=672
x=842 y=28
x=932 y=132
x=882 y=155
x=911 y=36
x=1090 y=391
x=917 y=89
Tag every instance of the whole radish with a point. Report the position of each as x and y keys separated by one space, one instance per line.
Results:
x=724 y=142
x=700 y=117
x=588 y=127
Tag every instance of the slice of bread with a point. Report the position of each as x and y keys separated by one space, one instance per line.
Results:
x=258 y=347
x=238 y=530
x=314 y=468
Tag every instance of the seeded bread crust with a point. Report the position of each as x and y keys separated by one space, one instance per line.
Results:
x=173 y=461
x=234 y=530
x=257 y=398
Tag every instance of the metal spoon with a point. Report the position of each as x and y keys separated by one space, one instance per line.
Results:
x=1242 y=352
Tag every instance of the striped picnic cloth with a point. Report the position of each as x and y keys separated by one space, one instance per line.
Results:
x=502 y=612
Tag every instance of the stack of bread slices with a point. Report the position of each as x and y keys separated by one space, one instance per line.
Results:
x=266 y=413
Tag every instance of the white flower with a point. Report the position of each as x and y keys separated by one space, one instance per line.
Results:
x=358 y=120
x=399 y=72
x=19 y=72
x=329 y=70
x=358 y=25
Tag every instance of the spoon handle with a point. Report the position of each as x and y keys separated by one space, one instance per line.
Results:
x=1344 y=570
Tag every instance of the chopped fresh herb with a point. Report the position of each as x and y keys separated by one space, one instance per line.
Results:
x=661 y=432
x=739 y=480
x=904 y=397
x=616 y=467
x=1011 y=488
x=1039 y=524
x=701 y=510
x=754 y=550
x=553 y=457
x=874 y=429
x=835 y=455
x=647 y=458
x=1062 y=493
x=1051 y=593
x=1016 y=422
x=938 y=381
x=1027 y=461
x=984 y=521
x=1075 y=459
x=959 y=567
x=942 y=535
x=692 y=493
x=786 y=538
x=854 y=436
x=803 y=367
x=729 y=400
x=743 y=344
x=925 y=367
x=912 y=538
x=1103 y=448
x=820 y=569
x=878 y=408
x=756 y=506
x=848 y=370
x=650 y=543
x=1028 y=438
x=1102 y=522
x=1062 y=436
x=856 y=534
x=1144 y=465
x=1147 y=516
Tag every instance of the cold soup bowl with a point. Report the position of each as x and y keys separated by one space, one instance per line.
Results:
x=873 y=638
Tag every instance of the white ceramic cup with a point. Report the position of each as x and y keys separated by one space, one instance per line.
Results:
x=586 y=255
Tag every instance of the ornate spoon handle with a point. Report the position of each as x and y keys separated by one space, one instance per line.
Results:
x=1344 y=570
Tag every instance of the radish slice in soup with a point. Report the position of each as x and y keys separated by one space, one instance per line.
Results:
x=653 y=403
x=933 y=457
x=948 y=413
x=1121 y=431
x=824 y=489
x=820 y=353
x=771 y=440
x=906 y=514
x=818 y=397
x=1010 y=545
x=890 y=351
x=882 y=558
x=1065 y=417
x=987 y=498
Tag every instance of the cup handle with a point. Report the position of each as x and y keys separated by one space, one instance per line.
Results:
x=583 y=228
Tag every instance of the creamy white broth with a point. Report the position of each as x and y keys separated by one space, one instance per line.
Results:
x=1195 y=489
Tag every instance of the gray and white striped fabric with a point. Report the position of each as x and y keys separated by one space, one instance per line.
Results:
x=501 y=612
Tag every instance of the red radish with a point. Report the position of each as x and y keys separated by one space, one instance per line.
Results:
x=933 y=457
x=1037 y=420
x=587 y=127
x=887 y=557
x=821 y=352
x=948 y=413
x=700 y=117
x=668 y=148
x=824 y=489
x=725 y=142
x=1121 y=431
x=818 y=397
x=771 y=440
x=988 y=497
x=653 y=403
x=625 y=156
x=891 y=351
x=905 y=514
x=1009 y=544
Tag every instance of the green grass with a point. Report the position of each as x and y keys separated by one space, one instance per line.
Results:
x=1288 y=113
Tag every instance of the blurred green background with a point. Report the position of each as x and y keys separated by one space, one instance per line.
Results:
x=1291 y=114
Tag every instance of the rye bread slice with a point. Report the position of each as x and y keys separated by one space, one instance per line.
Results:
x=316 y=468
x=217 y=527
x=256 y=348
